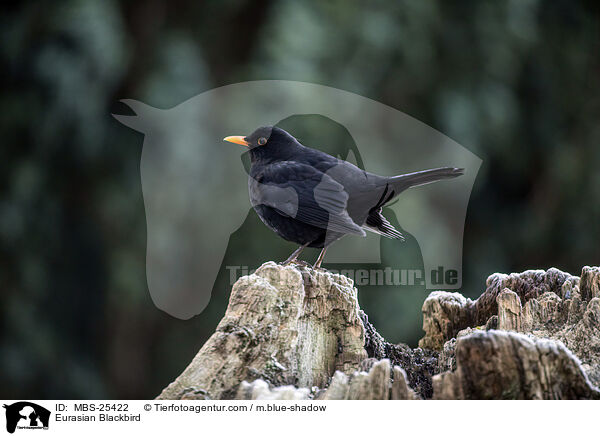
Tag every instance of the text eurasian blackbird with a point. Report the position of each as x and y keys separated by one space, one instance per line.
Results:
x=313 y=199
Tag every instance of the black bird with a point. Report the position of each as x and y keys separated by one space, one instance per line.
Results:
x=313 y=199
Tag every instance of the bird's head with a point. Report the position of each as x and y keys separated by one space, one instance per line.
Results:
x=259 y=138
x=267 y=143
x=264 y=137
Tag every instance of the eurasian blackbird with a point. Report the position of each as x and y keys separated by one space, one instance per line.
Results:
x=313 y=199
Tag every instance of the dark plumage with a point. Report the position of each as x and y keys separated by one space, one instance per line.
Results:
x=313 y=199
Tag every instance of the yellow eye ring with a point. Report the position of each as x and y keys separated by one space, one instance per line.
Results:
x=262 y=141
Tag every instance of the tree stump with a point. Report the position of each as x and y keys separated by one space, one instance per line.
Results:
x=285 y=325
x=291 y=332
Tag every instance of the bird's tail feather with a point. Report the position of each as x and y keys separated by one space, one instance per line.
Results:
x=405 y=181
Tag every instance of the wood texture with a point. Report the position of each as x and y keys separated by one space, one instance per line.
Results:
x=291 y=332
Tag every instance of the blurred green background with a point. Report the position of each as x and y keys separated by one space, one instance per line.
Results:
x=516 y=82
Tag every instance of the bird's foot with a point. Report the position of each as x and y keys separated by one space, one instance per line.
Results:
x=317 y=264
x=294 y=255
x=295 y=262
x=303 y=263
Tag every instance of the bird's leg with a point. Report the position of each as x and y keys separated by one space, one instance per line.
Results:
x=294 y=255
x=320 y=258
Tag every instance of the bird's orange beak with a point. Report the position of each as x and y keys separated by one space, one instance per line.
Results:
x=237 y=140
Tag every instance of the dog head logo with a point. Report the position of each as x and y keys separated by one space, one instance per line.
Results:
x=196 y=189
x=26 y=415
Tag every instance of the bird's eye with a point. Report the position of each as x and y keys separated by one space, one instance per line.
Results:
x=262 y=141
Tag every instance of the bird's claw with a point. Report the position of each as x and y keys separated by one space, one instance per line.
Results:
x=295 y=262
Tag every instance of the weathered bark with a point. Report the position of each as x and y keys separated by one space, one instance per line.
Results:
x=296 y=333
x=446 y=313
x=420 y=364
x=379 y=383
x=509 y=311
x=555 y=355
x=503 y=365
x=284 y=325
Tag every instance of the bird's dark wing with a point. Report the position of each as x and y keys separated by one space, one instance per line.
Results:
x=302 y=192
x=377 y=223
